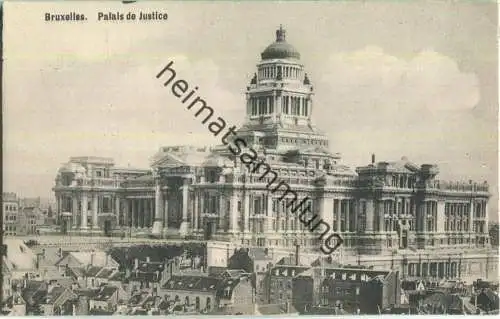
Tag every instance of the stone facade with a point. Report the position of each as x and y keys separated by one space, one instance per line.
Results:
x=390 y=214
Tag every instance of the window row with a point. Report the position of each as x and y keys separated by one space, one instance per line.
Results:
x=261 y=105
x=279 y=71
x=10 y=208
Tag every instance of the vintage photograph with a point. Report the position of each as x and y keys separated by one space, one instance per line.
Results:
x=249 y=158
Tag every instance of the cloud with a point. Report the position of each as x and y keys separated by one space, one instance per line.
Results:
x=420 y=106
x=113 y=108
x=427 y=81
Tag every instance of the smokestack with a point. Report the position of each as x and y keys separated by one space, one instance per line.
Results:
x=373 y=158
x=297 y=248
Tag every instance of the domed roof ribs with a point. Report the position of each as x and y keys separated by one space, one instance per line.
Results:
x=280 y=49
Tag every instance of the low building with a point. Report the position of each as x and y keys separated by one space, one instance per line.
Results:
x=6 y=279
x=107 y=298
x=30 y=218
x=10 y=213
x=149 y=274
x=85 y=258
x=21 y=258
x=324 y=290
x=206 y=294
x=48 y=298
x=280 y=283
x=257 y=261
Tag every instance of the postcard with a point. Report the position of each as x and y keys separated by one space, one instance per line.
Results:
x=249 y=158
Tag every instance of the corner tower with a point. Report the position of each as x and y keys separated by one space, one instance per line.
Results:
x=279 y=104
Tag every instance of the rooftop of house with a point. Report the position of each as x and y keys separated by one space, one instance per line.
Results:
x=20 y=256
x=94 y=258
x=288 y=260
x=103 y=293
x=195 y=283
x=287 y=271
x=223 y=287
x=156 y=253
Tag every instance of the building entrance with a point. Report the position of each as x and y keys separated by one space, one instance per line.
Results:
x=107 y=228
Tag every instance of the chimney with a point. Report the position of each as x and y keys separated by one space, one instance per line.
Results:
x=287 y=306
x=92 y=258
x=373 y=158
x=59 y=252
x=136 y=263
x=148 y=259
x=107 y=260
x=266 y=252
x=43 y=253
x=297 y=257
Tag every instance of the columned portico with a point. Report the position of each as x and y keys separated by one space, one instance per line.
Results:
x=396 y=202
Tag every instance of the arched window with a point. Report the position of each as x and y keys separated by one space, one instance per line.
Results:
x=209 y=306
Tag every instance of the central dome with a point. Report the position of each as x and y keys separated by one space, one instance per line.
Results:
x=280 y=49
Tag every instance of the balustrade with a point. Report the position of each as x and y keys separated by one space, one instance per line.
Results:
x=457 y=186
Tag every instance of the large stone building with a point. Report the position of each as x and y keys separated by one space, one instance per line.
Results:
x=19 y=216
x=390 y=214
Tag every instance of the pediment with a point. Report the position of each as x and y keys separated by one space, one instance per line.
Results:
x=166 y=160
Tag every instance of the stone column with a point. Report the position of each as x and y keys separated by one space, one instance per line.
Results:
x=142 y=212
x=234 y=214
x=126 y=212
x=269 y=217
x=184 y=228
x=132 y=212
x=95 y=209
x=222 y=212
x=381 y=216
x=117 y=209
x=149 y=213
x=325 y=211
x=369 y=215
x=338 y=207
x=246 y=212
x=74 y=210
x=84 y=203
x=196 y=210
x=486 y=218
x=348 y=215
x=158 y=220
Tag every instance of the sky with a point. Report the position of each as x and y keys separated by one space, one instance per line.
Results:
x=394 y=79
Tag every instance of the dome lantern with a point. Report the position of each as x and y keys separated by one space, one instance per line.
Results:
x=280 y=49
